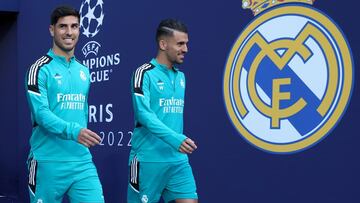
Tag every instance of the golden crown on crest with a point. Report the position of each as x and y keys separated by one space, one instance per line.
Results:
x=257 y=6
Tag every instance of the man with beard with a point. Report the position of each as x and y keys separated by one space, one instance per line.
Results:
x=159 y=165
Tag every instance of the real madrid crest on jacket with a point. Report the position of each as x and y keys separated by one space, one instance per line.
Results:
x=288 y=77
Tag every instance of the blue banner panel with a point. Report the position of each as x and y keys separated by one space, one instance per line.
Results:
x=9 y=5
x=271 y=99
x=9 y=178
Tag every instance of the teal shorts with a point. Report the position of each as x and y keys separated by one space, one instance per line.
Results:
x=49 y=182
x=149 y=181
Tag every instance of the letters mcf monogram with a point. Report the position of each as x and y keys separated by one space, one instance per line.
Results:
x=288 y=77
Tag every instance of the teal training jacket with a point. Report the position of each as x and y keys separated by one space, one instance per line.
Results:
x=57 y=94
x=158 y=101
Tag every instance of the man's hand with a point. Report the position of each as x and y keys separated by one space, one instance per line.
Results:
x=188 y=146
x=88 y=138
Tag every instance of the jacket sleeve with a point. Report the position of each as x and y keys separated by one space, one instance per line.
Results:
x=147 y=117
x=36 y=86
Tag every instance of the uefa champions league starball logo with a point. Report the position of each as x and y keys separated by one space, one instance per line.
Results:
x=91 y=23
x=92 y=16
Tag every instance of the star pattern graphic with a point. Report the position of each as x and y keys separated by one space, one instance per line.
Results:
x=87 y=16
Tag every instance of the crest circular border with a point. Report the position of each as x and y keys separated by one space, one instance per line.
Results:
x=346 y=90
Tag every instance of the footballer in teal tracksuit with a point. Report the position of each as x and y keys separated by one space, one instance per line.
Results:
x=57 y=87
x=157 y=168
x=57 y=93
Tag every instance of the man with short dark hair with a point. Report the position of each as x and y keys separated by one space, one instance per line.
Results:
x=159 y=165
x=57 y=88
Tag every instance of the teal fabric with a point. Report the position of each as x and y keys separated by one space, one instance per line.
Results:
x=79 y=180
x=57 y=93
x=171 y=181
x=158 y=101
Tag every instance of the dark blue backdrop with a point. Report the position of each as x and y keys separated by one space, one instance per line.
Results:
x=226 y=167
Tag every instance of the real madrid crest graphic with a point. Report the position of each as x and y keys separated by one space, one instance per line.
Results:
x=288 y=77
